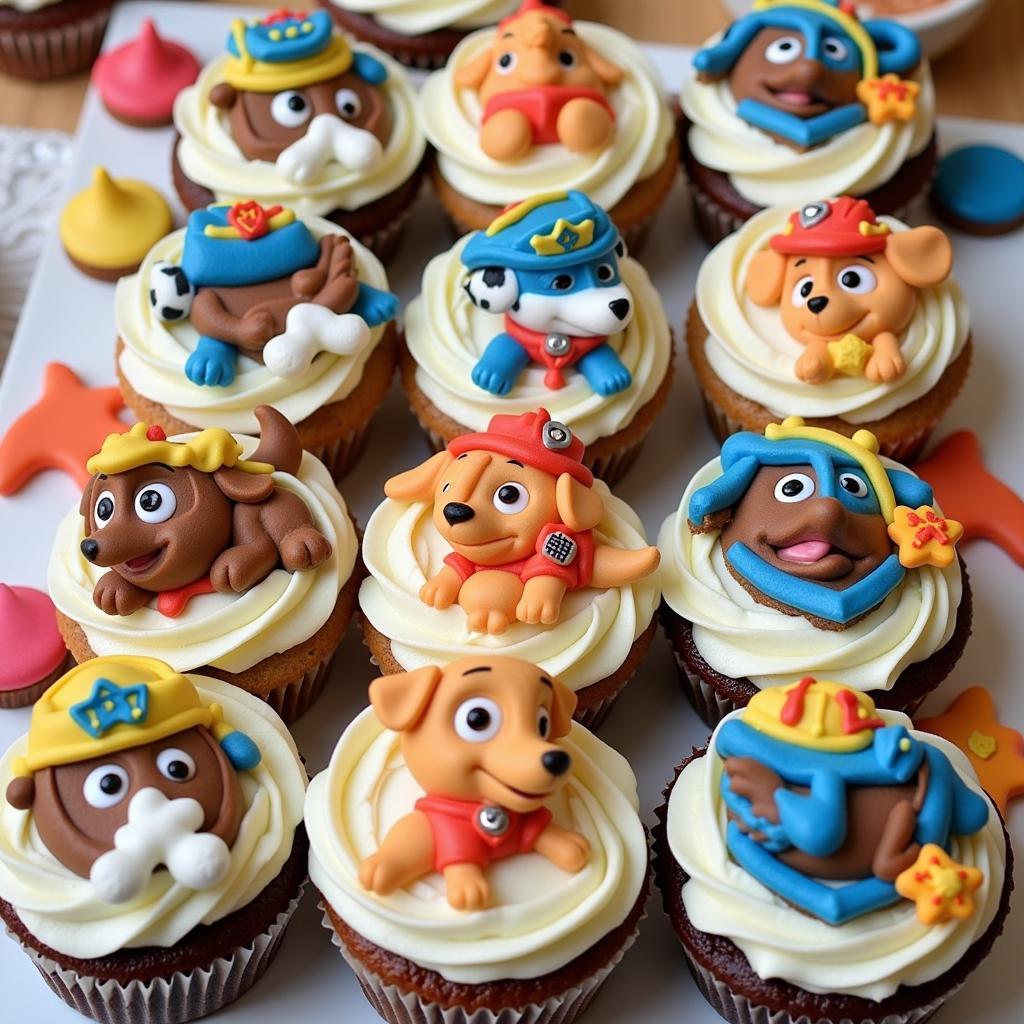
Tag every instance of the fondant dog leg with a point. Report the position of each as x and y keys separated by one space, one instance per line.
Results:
x=499 y=367
x=406 y=854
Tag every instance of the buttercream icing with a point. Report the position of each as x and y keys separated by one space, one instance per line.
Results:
x=417 y=17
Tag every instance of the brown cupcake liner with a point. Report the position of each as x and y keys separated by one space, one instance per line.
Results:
x=26 y=695
x=53 y=51
x=342 y=453
x=179 y=997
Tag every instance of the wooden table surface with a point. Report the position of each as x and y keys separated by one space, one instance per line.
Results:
x=984 y=77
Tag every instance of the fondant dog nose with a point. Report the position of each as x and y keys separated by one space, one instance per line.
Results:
x=456 y=512
x=90 y=548
x=620 y=307
x=556 y=761
x=817 y=304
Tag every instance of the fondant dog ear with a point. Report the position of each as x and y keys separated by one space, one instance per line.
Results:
x=21 y=793
x=579 y=507
x=921 y=256
x=418 y=484
x=85 y=505
x=765 y=276
x=609 y=73
x=472 y=75
x=223 y=96
x=401 y=700
x=562 y=707
x=245 y=488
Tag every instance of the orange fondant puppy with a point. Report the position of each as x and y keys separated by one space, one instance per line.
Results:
x=480 y=736
x=846 y=286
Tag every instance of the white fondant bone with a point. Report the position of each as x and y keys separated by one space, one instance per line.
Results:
x=310 y=329
x=327 y=137
x=159 y=831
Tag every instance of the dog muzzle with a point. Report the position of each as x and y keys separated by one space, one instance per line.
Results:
x=328 y=138
x=309 y=330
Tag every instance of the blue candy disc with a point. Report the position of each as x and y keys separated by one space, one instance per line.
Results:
x=982 y=186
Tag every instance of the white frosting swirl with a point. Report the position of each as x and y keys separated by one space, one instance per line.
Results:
x=446 y=335
x=209 y=156
x=231 y=632
x=28 y=5
x=643 y=129
x=402 y=549
x=741 y=639
x=751 y=351
x=60 y=908
x=868 y=957
x=542 y=917
x=417 y=17
x=154 y=354
x=767 y=172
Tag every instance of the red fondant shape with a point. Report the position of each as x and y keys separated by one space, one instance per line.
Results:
x=171 y=603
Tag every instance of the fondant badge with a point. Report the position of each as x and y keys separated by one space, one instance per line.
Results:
x=551 y=266
x=176 y=519
x=846 y=286
x=841 y=814
x=540 y=83
x=518 y=508
x=809 y=519
x=480 y=736
x=297 y=95
x=254 y=279
x=127 y=772
x=804 y=71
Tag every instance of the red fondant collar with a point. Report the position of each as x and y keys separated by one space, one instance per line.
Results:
x=171 y=603
x=533 y=342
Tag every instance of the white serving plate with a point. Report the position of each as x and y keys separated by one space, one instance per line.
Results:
x=69 y=317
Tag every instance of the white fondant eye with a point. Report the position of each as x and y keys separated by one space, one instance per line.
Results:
x=605 y=272
x=290 y=109
x=175 y=764
x=349 y=105
x=563 y=283
x=784 y=50
x=567 y=59
x=155 y=503
x=802 y=291
x=477 y=720
x=543 y=723
x=853 y=484
x=105 y=786
x=103 y=510
x=794 y=487
x=511 y=498
x=857 y=280
x=494 y=289
x=505 y=64
x=835 y=49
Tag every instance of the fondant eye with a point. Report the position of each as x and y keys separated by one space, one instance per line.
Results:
x=290 y=109
x=477 y=720
x=103 y=510
x=567 y=59
x=175 y=764
x=857 y=279
x=563 y=283
x=543 y=723
x=835 y=49
x=620 y=248
x=349 y=105
x=105 y=786
x=853 y=484
x=505 y=64
x=155 y=503
x=605 y=273
x=511 y=498
x=802 y=291
x=794 y=487
x=784 y=50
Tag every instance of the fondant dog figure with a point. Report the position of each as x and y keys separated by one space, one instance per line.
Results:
x=540 y=83
x=179 y=518
x=481 y=737
x=846 y=286
x=551 y=266
x=518 y=508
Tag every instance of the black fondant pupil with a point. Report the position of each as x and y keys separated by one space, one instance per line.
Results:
x=177 y=770
x=791 y=488
x=508 y=495
x=111 y=784
x=806 y=287
x=604 y=272
x=567 y=58
x=851 y=483
x=105 y=509
x=505 y=60
x=851 y=279
x=478 y=719
x=543 y=725
x=349 y=108
x=785 y=46
x=563 y=282
x=296 y=103
x=150 y=501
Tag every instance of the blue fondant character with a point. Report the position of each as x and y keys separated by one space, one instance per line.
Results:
x=551 y=265
x=805 y=71
x=248 y=276
x=829 y=803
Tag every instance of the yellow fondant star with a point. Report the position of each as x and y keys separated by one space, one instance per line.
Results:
x=849 y=355
x=924 y=537
x=940 y=887
x=889 y=98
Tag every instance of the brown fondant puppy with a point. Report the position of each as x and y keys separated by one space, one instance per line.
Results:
x=162 y=528
x=480 y=736
x=540 y=83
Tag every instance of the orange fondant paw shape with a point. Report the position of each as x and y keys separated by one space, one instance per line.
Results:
x=941 y=889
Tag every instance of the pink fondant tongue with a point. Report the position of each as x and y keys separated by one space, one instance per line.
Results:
x=805 y=551
x=794 y=96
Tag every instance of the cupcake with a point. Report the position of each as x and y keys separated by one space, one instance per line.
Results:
x=799 y=99
x=600 y=123
x=250 y=305
x=479 y=855
x=34 y=652
x=505 y=542
x=830 y=313
x=801 y=551
x=292 y=115
x=214 y=553
x=151 y=848
x=821 y=861
x=543 y=308
x=43 y=39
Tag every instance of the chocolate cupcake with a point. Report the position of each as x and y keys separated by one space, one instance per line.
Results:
x=42 y=39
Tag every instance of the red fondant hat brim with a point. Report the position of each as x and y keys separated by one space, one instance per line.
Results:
x=526 y=452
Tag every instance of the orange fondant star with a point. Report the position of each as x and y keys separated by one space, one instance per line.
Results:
x=63 y=429
x=996 y=751
x=942 y=889
x=964 y=488
x=889 y=98
x=924 y=537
